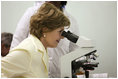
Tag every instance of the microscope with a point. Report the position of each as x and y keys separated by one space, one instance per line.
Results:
x=79 y=58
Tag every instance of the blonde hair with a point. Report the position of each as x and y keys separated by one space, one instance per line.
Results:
x=47 y=16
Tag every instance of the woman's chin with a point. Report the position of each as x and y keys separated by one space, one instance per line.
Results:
x=53 y=46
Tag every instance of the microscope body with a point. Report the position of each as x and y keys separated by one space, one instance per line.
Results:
x=85 y=47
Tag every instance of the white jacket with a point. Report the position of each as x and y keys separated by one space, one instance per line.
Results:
x=64 y=46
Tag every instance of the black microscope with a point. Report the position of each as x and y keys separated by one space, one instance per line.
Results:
x=74 y=60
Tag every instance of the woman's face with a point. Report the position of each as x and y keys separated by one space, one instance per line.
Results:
x=53 y=38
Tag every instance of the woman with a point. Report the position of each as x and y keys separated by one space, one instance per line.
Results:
x=30 y=58
x=22 y=32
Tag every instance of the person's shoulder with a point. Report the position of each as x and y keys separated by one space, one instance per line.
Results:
x=33 y=8
x=26 y=45
x=68 y=14
x=28 y=13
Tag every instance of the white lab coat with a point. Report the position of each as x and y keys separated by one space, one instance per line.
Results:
x=64 y=46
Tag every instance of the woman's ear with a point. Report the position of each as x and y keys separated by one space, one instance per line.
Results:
x=44 y=31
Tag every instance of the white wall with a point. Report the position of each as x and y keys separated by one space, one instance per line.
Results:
x=11 y=12
x=97 y=20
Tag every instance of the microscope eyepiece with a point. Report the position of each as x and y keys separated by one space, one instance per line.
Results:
x=70 y=36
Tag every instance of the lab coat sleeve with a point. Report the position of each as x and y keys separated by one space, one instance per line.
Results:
x=72 y=47
x=15 y=64
x=22 y=29
x=74 y=28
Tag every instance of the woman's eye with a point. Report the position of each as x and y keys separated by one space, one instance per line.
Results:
x=61 y=31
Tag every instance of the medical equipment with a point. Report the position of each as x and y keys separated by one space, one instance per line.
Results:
x=80 y=57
